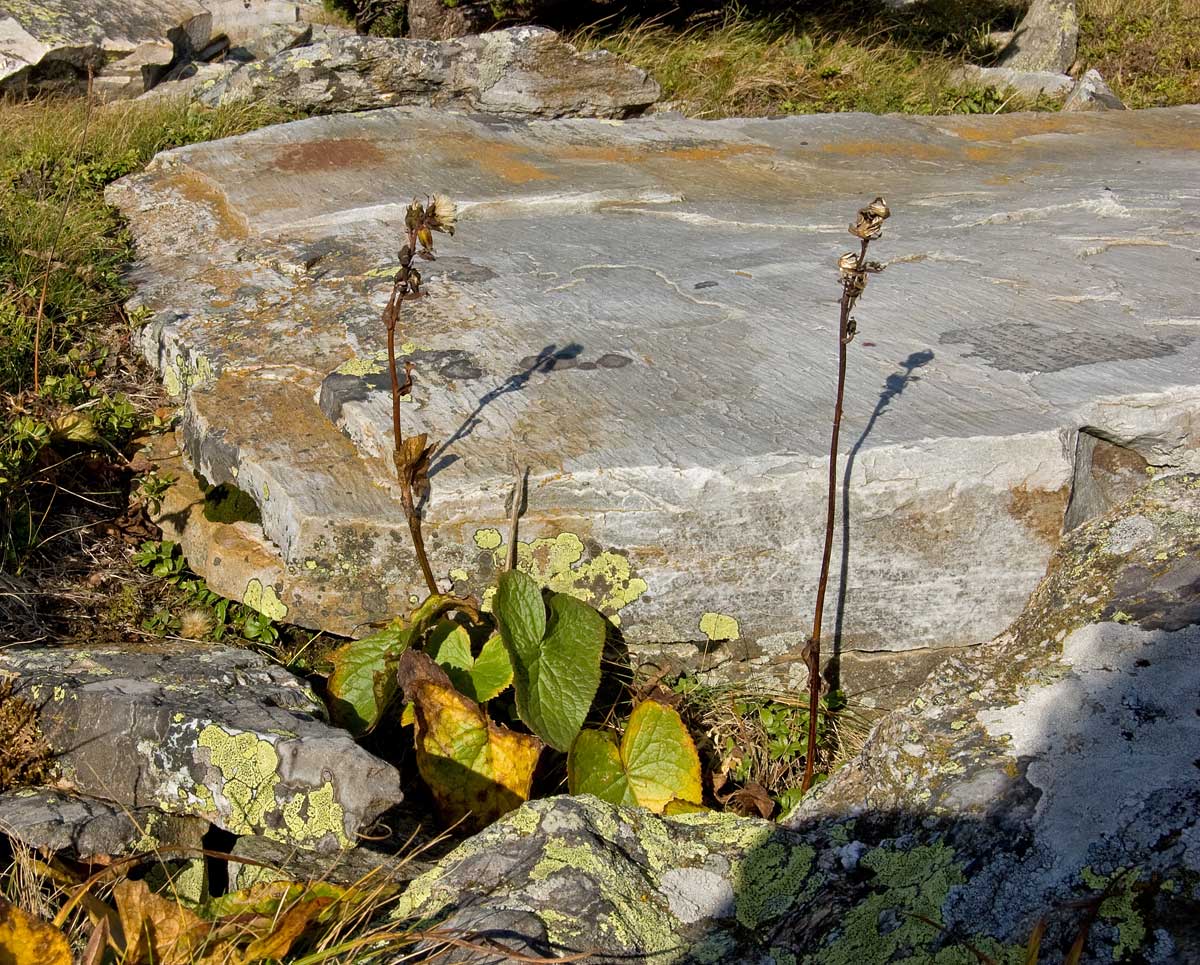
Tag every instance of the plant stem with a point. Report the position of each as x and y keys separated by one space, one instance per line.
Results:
x=392 y=317
x=813 y=650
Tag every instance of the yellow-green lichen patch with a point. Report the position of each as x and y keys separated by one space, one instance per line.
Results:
x=179 y=376
x=769 y=880
x=631 y=916
x=905 y=884
x=606 y=580
x=1119 y=908
x=488 y=539
x=248 y=766
x=459 y=576
x=311 y=816
x=363 y=366
x=719 y=626
x=264 y=599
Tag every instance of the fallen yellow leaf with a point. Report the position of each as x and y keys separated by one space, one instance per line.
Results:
x=26 y=940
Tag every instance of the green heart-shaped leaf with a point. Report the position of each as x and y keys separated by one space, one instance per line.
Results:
x=656 y=766
x=479 y=677
x=556 y=659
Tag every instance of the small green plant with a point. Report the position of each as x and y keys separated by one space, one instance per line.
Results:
x=198 y=612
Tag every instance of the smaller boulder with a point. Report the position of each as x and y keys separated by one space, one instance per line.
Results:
x=1031 y=83
x=1046 y=38
x=273 y=40
x=243 y=20
x=524 y=71
x=208 y=731
x=135 y=74
x=1092 y=94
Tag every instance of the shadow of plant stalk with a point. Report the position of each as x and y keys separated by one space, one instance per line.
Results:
x=412 y=455
x=854 y=268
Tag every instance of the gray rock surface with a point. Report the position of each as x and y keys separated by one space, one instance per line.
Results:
x=525 y=70
x=1047 y=38
x=272 y=40
x=644 y=313
x=46 y=44
x=1031 y=83
x=1091 y=93
x=212 y=732
x=241 y=21
x=1050 y=775
x=86 y=828
x=264 y=859
x=135 y=73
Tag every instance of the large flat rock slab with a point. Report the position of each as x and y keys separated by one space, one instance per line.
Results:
x=644 y=313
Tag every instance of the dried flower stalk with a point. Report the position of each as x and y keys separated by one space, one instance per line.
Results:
x=853 y=270
x=412 y=455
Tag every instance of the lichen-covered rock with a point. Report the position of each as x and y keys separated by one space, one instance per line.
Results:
x=1045 y=39
x=526 y=70
x=1051 y=776
x=573 y=874
x=1061 y=759
x=214 y=732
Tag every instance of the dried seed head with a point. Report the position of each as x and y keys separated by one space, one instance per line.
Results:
x=869 y=225
x=848 y=264
x=879 y=209
x=414 y=215
x=442 y=214
x=195 y=623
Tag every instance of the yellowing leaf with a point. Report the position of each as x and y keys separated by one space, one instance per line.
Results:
x=656 y=766
x=26 y=940
x=594 y=766
x=156 y=929
x=279 y=936
x=476 y=769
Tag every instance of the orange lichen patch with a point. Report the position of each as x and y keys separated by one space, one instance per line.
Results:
x=715 y=152
x=1041 y=510
x=912 y=150
x=508 y=162
x=202 y=190
x=632 y=155
x=331 y=155
x=1005 y=128
x=1169 y=138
